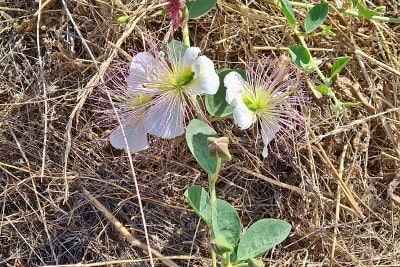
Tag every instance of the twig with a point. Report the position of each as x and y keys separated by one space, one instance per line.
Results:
x=337 y=208
x=44 y=151
x=133 y=241
x=339 y=180
x=356 y=122
x=377 y=62
x=292 y=188
x=82 y=99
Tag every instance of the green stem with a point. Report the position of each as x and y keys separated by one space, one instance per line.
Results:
x=312 y=62
x=212 y=180
x=331 y=94
x=350 y=12
x=227 y=259
x=185 y=28
x=185 y=34
x=213 y=258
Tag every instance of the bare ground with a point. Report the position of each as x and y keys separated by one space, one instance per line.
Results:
x=54 y=156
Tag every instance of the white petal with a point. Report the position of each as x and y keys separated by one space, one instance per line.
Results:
x=243 y=116
x=234 y=84
x=205 y=80
x=188 y=59
x=268 y=132
x=165 y=118
x=135 y=136
x=138 y=69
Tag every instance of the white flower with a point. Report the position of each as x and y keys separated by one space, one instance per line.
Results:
x=164 y=91
x=135 y=136
x=130 y=107
x=265 y=98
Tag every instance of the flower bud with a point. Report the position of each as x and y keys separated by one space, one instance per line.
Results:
x=218 y=148
x=252 y=262
x=220 y=245
x=123 y=19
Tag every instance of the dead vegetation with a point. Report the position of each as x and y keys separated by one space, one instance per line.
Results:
x=339 y=189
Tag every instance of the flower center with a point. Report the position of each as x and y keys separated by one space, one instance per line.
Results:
x=255 y=101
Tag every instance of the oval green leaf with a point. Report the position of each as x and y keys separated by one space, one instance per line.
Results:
x=322 y=88
x=199 y=200
x=316 y=17
x=216 y=104
x=338 y=65
x=226 y=222
x=197 y=133
x=199 y=8
x=261 y=237
x=300 y=56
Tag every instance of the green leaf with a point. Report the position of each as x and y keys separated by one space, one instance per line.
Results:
x=351 y=104
x=177 y=50
x=380 y=9
x=328 y=30
x=300 y=56
x=226 y=222
x=199 y=200
x=368 y=13
x=287 y=10
x=123 y=19
x=322 y=88
x=338 y=65
x=216 y=104
x=199 y=8
x=261 y=237
x=316 y=16
x=197 y=133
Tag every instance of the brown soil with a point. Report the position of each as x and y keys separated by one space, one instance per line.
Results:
x=54 y=156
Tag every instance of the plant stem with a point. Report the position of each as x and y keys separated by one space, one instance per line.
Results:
x=185 y=28
x=185 y=34
x=212 y=180
x=350 y=12
x=227 y=262
x=213 y=258
x=312 y=62
x=326 y=81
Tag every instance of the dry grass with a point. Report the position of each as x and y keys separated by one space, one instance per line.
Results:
x=53 y=157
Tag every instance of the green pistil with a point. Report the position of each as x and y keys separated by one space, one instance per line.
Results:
x=173 y=81
x=255 y=102
x=185 y=78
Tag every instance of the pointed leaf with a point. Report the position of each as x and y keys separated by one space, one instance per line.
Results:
x=300 y=56
x=316 y=17
x=197 y=133
x=287 y=10
x=199 y=200
x=198 y=8
x=338 y=65
x=364 y=12
x=328 y=30
x=322 y=88
x=261 y=237
x=226 y=222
